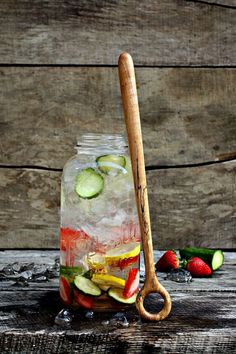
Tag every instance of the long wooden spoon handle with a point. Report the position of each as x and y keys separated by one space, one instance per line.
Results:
x=132 y=120
x=133 y=126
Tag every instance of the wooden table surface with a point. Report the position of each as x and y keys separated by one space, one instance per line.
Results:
x=202 y=318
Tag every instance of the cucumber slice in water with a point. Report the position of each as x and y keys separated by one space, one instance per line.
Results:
x=89 y=183
x=117 y=294
x=87 y=286
x=111 y=164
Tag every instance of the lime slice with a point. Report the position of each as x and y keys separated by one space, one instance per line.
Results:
x=117 y=294
x=108 y=280
x=87 y=286
x=125 y=251
x=89 y=183
x=111 y=164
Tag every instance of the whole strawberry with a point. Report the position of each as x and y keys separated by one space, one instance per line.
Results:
x=168 y=261
x=198 y=268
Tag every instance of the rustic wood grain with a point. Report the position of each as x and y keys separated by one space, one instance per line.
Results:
x=188 y=115
x=204 y=323
x=189 y=206
x=170 y=32
x=194 y=207
x=49 y=256
x=29 y=208
x=201 y=321
x=216 y=283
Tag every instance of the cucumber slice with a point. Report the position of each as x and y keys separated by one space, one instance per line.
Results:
x=217 y=259
x=111 y=164
x=214 y=258
x=87 y=286
x=89 y=183
x=117 y=294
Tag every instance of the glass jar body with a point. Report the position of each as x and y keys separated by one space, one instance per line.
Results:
x=99 y=235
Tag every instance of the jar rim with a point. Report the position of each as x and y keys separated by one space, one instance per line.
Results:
x=103 y=142
x=90 y=137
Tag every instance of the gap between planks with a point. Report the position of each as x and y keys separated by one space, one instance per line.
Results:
x=148 y=168
x=94 y=65
x=218 y=4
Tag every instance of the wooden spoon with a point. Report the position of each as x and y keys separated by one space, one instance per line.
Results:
x=133 y=126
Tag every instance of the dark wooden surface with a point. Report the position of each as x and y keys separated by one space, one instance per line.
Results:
x=202 y=319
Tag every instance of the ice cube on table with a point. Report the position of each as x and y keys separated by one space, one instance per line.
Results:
x=89 y=315
x=179 y=275
x=119 y=320
x=64 y=318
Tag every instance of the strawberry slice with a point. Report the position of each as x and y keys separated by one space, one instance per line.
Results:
x=69 y=235
x=84 y=301
x=168 y=261
x=123 y=263
x=65 y=291
x=132 y=283
x=70 y=240
x=198 y=268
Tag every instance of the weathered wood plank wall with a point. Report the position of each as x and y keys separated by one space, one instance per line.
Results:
x=58 y=79
x=166 y=32
x=188 y=114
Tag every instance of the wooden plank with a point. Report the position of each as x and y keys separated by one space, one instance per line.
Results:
x=202 y=322
x=49 y=256
x=189 y=206
x=29 y=208
x=169 y=32
x=222 y=280
x=188 y=115
x=197 y=342
x=193 y=206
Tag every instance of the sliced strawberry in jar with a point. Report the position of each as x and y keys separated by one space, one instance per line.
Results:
x=132 y=283
x=124 y=263
x=69 y=235
x=72 y=241
x=65 y=291
x=82 y=300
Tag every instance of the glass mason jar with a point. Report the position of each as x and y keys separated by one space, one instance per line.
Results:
x=100 y=235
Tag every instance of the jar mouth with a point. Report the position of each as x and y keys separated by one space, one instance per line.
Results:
x=101 y=143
